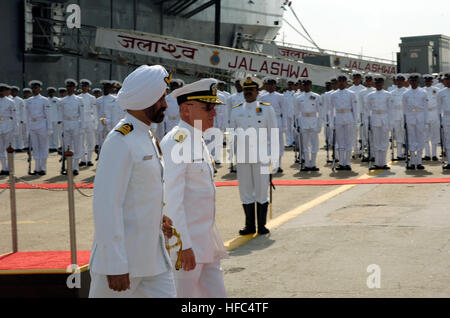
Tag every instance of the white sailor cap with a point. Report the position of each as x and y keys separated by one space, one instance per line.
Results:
x=71 y=82
x=34 y=82
x=26 y=89
x=85 y=82
x=95 y=90
x=356 y=74
x=116 y=84
x=221 y=82
x=378 y=78
x=342 y=76
x=143 y=87
x=15 y=87
x=368 y=77
x=106 y=82
x=51 y=88
x=4 y=86
x=428 y=77
x=179 y=81
x=400 y=75
x=251 y=81
x=446 y=75
x=62 y=89
x=435 y=75
x=333 y=79
x=414 y=76
x=204 y=90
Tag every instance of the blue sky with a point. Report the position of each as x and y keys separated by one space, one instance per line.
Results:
x=373 y=27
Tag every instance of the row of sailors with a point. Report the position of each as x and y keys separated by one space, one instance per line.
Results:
x=76 y=122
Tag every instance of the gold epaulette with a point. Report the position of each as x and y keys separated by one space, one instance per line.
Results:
x=236 y=106
x=265 y=104
x=179 y=136
x=125 y=129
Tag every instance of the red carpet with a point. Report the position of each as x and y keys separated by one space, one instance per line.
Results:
x=47 y=260
x=297 y=182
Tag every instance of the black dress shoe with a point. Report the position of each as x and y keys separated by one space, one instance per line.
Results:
x=348 y=168
x=385 y=167
x=447 y=167
x=25 y=149
x=434 y=158
x=90 y=164
x=340 y=168
x=33 y=173
x=314 y=168
x=233 y=171
x=364 y=159
x=305 y=169
x=4 y=173
x=82 y=164
x=411 y=167
x=426 y=158
x=280 y=170
x=75 y=173
x=42 y=173
x=18 y=150
x=400 y=158
x=372 y=159
x=63 y=172
x=374 y=168
x=420 y=167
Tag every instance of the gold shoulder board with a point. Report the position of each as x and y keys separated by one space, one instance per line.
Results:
x=265 y=104
x=179 y=136
x=236 y=106
x=125 y=129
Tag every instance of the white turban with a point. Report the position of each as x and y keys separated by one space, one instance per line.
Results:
x=143 y=87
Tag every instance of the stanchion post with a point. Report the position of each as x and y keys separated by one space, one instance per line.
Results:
x=12 y=196
x=73 y=239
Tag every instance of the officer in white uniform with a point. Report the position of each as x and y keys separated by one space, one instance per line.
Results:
x=398 y=123
x=192 y=193
x=102 y=103
x=18 y=142
x=89 y=134
x=8 y=125
x=308 y=117
x=415 y=104
x=39 y=123
x=128 y=256
x=276 y=100
x=344 y=113
x=357 y=88
x=252 y=168
x=432 y=126
x=172 y=116
x=53 y=139
x=72 y=113
x=97 y=92
x=364 y=131
x=326 y=104
x=289 y=102
x=235 y=99
x=443 y=102
x=379 y=105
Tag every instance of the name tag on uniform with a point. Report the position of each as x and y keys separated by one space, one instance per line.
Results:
x=149 y=157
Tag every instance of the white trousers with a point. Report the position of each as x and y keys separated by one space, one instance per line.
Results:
x=54 y=137
x=310 y=144
x=72 y=139
x=253 y=185
x=88 y=144
x=39 y=142
x=344 y=136
x=159 y=286
x=416 y=137
x=5 y=140
x=399 y=136
x=204 y=281
x=290 y=131
x=432 y=135
x=101 y=134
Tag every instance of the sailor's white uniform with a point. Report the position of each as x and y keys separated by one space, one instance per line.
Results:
x=432 y=126
x=54 y=137
x=21 y=139
x=398 y=122
x=89 y=133
x=8 y=127
x=443 y=103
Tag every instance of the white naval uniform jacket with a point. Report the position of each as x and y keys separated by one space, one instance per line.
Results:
x=308 y=111
x=172 y=113
x=128 y=205
x=71 y=108
x=358 y=89
x=90 y=111
x=20 y=109
x=343 y=107
x=432 y=110
x=246 y=116
x=191 y=193
x=54 y=110
x=443 y=102
x=380 y=109
x=397 y=103
x=37 y=110
x=277 y=101
x=235 y=99
x=415 y=103
x=8 y=116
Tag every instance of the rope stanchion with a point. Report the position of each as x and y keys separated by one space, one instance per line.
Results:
x=12 y=196
x=73 y=241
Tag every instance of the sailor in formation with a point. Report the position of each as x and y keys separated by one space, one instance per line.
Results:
x=432 y=126
x=89 y=134
x=8 y=125
x=54 y=137
x=398 y=122
x=357 y=88
x=21 y=139
x=289 y=102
